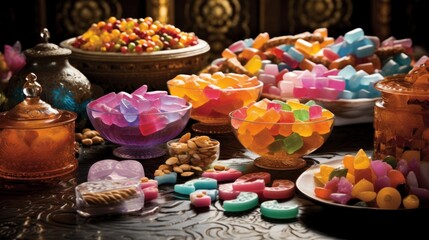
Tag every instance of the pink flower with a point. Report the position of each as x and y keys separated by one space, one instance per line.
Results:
x=11 y=61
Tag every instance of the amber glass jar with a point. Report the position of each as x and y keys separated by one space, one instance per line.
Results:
x=401 y=117
x=36 y=140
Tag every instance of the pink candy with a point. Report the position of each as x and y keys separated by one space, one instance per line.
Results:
x=281 y=189
x=222 y=175
x=200 y=199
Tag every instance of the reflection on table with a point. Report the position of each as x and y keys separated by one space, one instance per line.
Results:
x=47 y=210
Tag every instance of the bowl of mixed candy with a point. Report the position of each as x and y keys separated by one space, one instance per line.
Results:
x=123 y=54
x=281 y=133
x=140 y=122
x=214 y=96
x=338 y=73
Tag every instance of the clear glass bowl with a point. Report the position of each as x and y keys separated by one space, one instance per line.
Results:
x=142 y=138
x=212 y=113
x=281 y=146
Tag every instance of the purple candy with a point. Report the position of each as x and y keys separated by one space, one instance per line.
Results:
x=109 y=169
x=140 y=91
x=128 y=110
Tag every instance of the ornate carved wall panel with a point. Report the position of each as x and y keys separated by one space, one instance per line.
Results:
x=220 y=22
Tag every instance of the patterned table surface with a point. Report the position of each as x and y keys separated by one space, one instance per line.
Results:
x=47 y=210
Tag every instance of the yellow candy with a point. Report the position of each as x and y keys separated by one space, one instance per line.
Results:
x=254 y=64
x=361 y=160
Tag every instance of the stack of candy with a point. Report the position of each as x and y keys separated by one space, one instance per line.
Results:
x=388 y=184
x=214 y=96
x=308 y=65
x=140 y=117
x=280 y=131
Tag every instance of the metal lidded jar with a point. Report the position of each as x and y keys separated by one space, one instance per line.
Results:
x=401 y=117
x=36 y=140
x=64 y=86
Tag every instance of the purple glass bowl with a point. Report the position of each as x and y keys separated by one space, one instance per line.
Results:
x=139 y=140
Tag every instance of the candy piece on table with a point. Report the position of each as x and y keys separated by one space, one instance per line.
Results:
x=200 y=199
x=195 y=184
x=273 y=209
x=226 y=192
x=212 y=193
x=150 y=193
x=184 y=189
x=170 y=178
x=109 y=169
x=224 y=175
x=280 y=189
x=109 y=197
x=255 y=175
x=256 y=186
x=244 y=201
x=203 y=183
x=146 y=182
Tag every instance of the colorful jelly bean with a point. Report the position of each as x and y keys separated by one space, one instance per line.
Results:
x=133 y=36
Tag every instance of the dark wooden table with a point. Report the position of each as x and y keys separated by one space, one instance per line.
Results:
x=47 y=210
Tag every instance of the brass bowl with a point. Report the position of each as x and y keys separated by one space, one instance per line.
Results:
x=116 y=72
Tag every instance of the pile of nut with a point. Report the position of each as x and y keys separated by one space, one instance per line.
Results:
x=89 y=137
x=189 y=155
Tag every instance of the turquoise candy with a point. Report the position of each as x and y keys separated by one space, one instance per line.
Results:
x=184 y=189
x=293 y=143
x=390 y=67
x=212 y=193
x=354 y=35
x=273 y=209
x=203 y=183
x=244 y=201
x=167 y=178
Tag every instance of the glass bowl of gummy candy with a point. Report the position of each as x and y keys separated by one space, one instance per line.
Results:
x=140 y=122
x=214 y=96
x=123 y=54
x=281 y=133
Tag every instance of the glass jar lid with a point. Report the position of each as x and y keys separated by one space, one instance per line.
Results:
x=415 y=82
x=33 y=112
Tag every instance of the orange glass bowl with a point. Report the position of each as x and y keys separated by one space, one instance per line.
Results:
x=212 y=112
x=275 y=142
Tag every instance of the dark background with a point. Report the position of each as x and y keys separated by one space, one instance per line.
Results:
x=220 y=22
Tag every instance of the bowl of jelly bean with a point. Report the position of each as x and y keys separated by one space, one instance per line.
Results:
x=281 y=133
x=123 y=54
x=140 y=122
x=214 y=96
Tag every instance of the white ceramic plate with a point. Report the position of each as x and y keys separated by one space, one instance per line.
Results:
x=306 y=184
